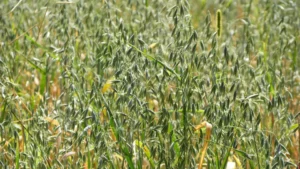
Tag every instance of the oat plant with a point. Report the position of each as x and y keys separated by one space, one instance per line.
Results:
x=149 y=84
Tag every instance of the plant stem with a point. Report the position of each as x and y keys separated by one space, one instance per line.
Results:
x=256 y=151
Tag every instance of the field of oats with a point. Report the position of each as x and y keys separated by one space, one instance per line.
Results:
x=140 y=84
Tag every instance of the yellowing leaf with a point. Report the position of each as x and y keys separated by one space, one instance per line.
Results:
x=146 y=151
x=107 y=86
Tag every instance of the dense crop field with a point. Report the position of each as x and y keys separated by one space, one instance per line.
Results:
x=150 y=84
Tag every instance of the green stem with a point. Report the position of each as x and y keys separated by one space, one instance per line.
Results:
x=256 y=151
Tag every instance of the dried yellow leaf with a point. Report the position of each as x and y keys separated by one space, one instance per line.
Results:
x=153 y=45
x=238 y=162
x=68 y=154
x=112 y=135
x=230 y=165
x=208 y=128
x=103 y=115
x=153 y=105
x=52 y=121
x=117 y=156
x=21 y=144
